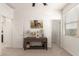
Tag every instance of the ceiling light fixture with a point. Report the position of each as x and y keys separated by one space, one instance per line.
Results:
x=33 y=4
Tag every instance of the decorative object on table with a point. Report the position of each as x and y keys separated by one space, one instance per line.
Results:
x=33 y=34
x=28 y=45
x=26 y=33
x=37 y=34
x=41 y=33
x=36 y=24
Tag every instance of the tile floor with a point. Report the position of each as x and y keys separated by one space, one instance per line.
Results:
x=54 y=51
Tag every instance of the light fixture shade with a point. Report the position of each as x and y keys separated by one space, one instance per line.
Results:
x=45 y=4
x=33 y=4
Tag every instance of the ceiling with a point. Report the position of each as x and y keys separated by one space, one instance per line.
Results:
x=53 y=6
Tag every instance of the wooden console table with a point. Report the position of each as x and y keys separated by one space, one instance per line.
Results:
x=28 y=40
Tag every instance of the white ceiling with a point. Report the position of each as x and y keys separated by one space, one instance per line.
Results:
x=53 y=6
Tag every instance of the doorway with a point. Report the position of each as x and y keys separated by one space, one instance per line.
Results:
x=56 y=32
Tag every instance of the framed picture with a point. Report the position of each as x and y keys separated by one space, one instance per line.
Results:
x=36 y=24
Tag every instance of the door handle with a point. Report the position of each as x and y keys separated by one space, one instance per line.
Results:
x=2 y=38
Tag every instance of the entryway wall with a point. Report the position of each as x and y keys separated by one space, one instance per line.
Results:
x=23 y=18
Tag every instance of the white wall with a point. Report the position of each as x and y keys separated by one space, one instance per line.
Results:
x=22 y=23
x=6 y=11
x=71 y=44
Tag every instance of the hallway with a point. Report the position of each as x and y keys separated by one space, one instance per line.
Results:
x=55 y=51
x=58 y=25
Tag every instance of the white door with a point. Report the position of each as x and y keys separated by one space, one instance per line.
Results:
x=56 y=32
x=7 y=33
x=5 y=25
x=1 y=26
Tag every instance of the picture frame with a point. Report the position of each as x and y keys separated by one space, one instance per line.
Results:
x=36 y=24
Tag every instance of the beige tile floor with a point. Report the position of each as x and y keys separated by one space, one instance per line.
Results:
x=54 y=51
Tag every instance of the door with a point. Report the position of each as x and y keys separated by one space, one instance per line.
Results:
x=6 y=25
x=5 y=32
x=1 y=34
x=56 y=32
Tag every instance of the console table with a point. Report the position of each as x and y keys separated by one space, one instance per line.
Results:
x=28 y=40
